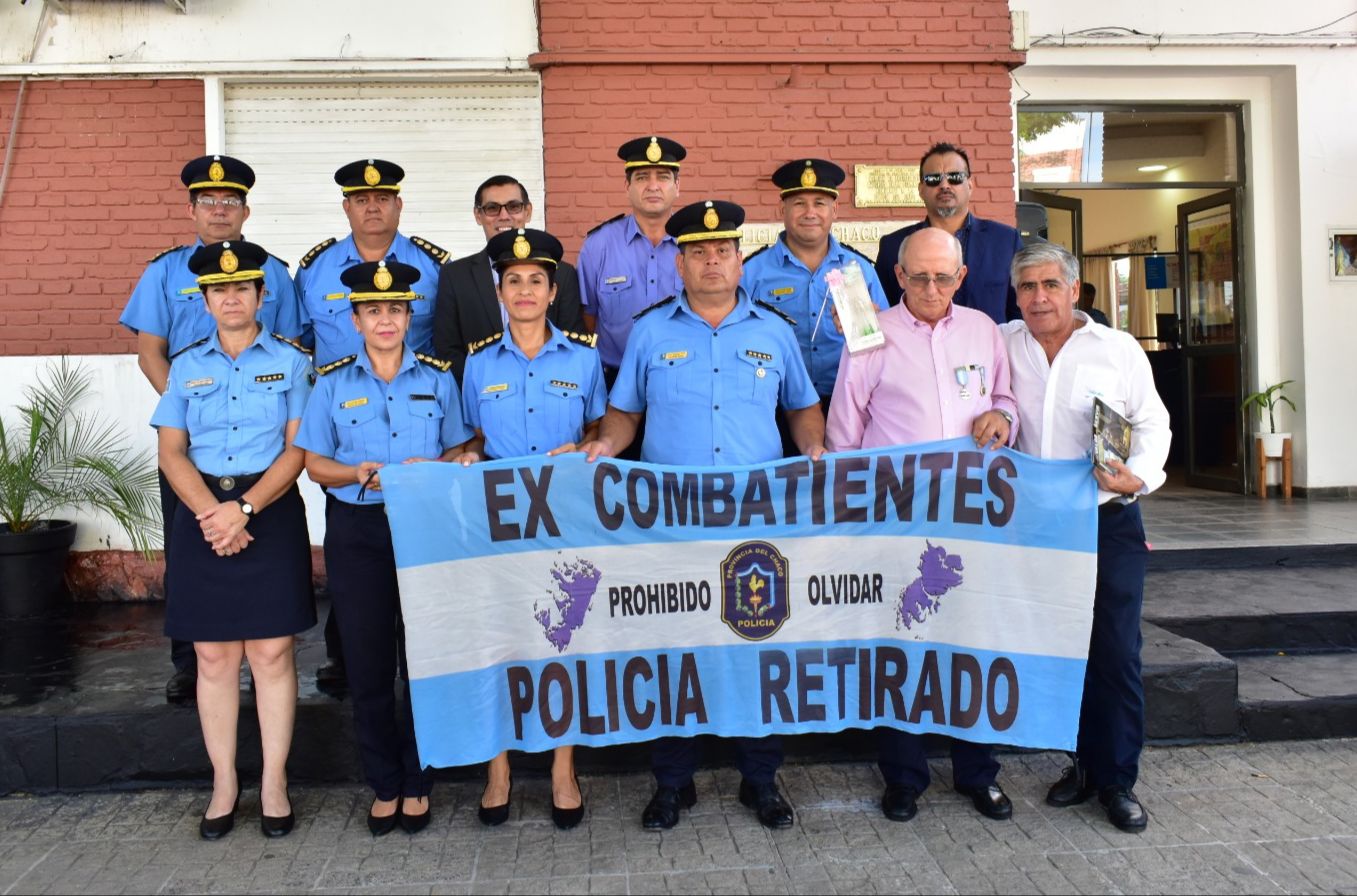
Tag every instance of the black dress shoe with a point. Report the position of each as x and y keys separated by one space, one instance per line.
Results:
x=1123 y=809
x=899 y=803
x=990 y=801
x=182 y=686
x=766 y=800
x=332 y=679
x=413 y=824
x=492 y=816
x=216 y=828
x=381 y=825
x=1072 y=789
x=662 y=812
x=565 y=819
x=277 y=825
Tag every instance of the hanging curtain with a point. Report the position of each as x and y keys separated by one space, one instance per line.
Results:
x=1098 y=271
x=1141 y=321
x=1101 y=272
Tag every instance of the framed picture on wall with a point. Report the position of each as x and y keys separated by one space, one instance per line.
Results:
x=1343 y=254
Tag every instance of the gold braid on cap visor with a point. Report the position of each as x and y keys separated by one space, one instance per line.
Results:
x=707 y=235
x=237 y=277
x=382 y=296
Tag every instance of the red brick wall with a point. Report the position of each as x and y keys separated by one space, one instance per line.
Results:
x=93 y=193
x=748 y=85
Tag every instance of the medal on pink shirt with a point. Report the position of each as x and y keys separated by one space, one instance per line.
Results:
x=981 y=369
x=963 y=376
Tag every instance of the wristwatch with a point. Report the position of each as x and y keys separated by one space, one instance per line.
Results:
x=1005 y=414
x=245 y=507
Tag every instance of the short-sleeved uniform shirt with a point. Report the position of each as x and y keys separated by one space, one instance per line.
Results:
x=711 y=394
x=355 y=416
x=525 y=407
x=167 y=302
x=622 y=274
x=235 y=410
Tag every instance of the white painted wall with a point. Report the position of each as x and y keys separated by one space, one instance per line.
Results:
x=132 y=35
x=1301 y=154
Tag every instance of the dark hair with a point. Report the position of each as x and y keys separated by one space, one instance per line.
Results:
x=942 y=149
x=500 y=180
x=1088 y=291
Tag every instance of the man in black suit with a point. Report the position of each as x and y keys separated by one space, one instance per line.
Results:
x=468 y=308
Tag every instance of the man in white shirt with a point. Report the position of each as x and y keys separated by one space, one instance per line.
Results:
x=1060 y=361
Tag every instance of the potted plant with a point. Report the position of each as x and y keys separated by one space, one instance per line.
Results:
x=1268 y=400
x=59 y=456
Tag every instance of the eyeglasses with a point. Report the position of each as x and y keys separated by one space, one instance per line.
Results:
x=492 y=209
x=955 y=178
x=921 y=281
x=224 y=202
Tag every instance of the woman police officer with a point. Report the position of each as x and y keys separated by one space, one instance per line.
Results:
x=240 y=564
x=384 y=405
x=532 y=390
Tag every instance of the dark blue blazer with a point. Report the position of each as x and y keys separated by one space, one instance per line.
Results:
x=990 y=247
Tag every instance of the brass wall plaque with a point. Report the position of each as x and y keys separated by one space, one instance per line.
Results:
x=886 y=186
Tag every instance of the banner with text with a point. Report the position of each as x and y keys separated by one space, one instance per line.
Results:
x=931 y=588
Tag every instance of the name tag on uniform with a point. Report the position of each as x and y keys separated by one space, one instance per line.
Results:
x=333 y=296
x=270 y=378
x=498 y=387
x=353 y=403
x=194 y=384
x=758 y=356
x=674 y=356
x=423 y=398
x=784 y=291
x=190 y=290
x=612 y=280
x=564 y=385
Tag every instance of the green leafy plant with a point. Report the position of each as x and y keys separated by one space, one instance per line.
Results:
x=60 y=456
x=1268 y=400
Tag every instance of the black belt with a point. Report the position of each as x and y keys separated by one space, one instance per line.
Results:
x=227 y=483
x=1115 y=506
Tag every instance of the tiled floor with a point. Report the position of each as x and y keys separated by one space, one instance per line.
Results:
x=1178 y=517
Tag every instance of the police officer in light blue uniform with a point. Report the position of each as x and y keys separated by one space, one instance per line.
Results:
x=167 y=313
x=385 y=404
x=372 y=203
x=791 y=274
x=710 y=368
x=533 y=389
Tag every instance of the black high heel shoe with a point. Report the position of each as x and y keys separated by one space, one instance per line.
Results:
x=381 y=825
x=565 y=819
x=277 y=825
x=492 y=816
x=413 y=824
x=216 y=828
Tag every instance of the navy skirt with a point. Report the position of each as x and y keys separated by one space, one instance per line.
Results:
x=262 y=592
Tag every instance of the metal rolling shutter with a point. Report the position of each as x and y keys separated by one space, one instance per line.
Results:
x=448 y=136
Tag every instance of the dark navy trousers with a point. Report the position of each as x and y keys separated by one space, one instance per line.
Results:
x=674 y=759
x=181 y=652
x=904 y=761
x=365 y=602
x=1112 y=716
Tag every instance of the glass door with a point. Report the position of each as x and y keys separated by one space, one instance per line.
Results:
x=1064 y=219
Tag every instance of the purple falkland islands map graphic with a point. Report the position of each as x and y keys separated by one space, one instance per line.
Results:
x=939 y=572
x=576 y=583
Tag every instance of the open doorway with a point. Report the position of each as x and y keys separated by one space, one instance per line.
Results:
x=1148 y=197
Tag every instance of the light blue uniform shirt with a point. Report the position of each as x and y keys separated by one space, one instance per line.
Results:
x=711 y=395
x=776 y=276
x=622 y=274
x=325 y=299
x=235 y=410
x=527 y=407
x=354 y=415
x=168 y=303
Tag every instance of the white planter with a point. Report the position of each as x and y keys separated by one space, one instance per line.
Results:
x=1272 y=442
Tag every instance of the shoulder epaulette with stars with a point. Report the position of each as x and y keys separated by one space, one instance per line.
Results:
x=335 y=365
x=315 y=252
x=606 y=223
x=202 y=341
x=858 y=252
x=437 y=253
x=758 y=251
x=773 y=308
x=649 y=308
x=292 y=342
x=589 y=339
x=435 y=363
x=166 y=252
x=473 y=347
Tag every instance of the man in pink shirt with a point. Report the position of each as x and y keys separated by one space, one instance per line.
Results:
x=942 y=374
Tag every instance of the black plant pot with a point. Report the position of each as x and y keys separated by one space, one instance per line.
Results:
x=33 y=568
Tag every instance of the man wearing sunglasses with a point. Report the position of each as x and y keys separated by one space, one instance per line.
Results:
x=942 y=374
x=945 y=186
x=468 y=309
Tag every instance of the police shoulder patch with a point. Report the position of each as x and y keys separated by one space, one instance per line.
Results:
x=774 y=309
x=649 y=308
x=166 y=252
x=315 y=252
x=292 y=342
x=604 y=224
x=335 y=365
x=589 y=339
x=473 y=347
x=435 y=363
x=858 y=252
x=759 y=251
x=202 y=341
x=437 y=253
